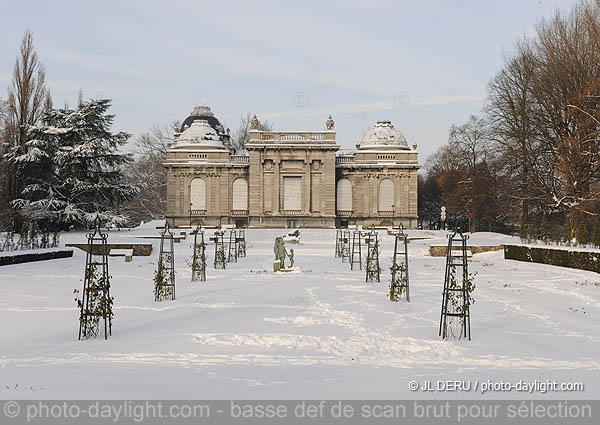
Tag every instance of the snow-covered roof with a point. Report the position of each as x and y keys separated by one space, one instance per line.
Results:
x=199 y=134
x=383 y=134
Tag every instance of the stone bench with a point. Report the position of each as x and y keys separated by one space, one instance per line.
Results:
x=127 y=253
x=458 y=253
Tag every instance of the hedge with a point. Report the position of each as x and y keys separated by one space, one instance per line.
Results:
x=583 y=260
x=6 y=260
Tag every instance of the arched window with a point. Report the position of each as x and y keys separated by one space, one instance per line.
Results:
x=240 y=194
x=198 y=194
x=344 y=195
x=386 y=195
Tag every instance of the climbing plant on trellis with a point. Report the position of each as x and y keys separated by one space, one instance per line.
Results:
x=455 y=317
x=220 y=256
x=345 y=247
x=241 y=244
x=164 y=277
x=399 y=285
x=373 y=269
x=232 y=247
x=96 y=304
x=199 y=257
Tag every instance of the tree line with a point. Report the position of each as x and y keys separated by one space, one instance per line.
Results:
x=533 y=153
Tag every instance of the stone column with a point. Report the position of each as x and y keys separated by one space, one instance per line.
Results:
x=307 y=187
x=261 y=189
x=374 y=189
x=217 y=206
x=276 y=182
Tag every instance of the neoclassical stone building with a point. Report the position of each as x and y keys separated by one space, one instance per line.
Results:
x=289 y=178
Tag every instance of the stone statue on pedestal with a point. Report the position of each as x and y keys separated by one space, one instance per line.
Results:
x=280 y=252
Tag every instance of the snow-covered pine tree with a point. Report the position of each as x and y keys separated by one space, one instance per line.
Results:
x=71 y=168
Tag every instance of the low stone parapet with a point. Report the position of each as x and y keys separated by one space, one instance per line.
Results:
x=139 y=249
x=442 y=250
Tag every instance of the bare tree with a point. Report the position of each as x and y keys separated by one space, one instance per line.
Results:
x=468 y=145
x=242 y=135
x=511 y=114
x=27 y=99
x=27 y=96
x=3 y=111
x=544 y=111
x=149 y=174
x=3 y=165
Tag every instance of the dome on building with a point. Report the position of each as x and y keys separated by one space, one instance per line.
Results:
x=384 y=135
x=200 y=134
x=203 y=113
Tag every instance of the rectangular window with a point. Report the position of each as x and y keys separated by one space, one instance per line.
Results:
x=292 y=193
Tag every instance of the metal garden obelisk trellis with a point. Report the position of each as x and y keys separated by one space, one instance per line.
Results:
x=345 y=248
x=96 y=303
x=164 y=278
x=232 y=247
x=8 y=243
x=400 y=282
x=455 y=318
x=356 y=256
x=220 y=257
x=199 y=257
x=373 y=270
x=241 y=243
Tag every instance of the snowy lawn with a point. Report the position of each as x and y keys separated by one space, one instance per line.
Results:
x=318 y=333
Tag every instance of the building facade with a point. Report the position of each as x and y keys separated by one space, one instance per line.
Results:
x=289 y=178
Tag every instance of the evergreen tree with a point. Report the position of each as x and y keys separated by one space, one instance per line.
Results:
x=71 y=168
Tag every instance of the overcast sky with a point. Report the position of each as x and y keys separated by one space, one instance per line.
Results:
x=422 y=64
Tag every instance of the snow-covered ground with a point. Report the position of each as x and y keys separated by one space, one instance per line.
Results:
x=319 y=333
